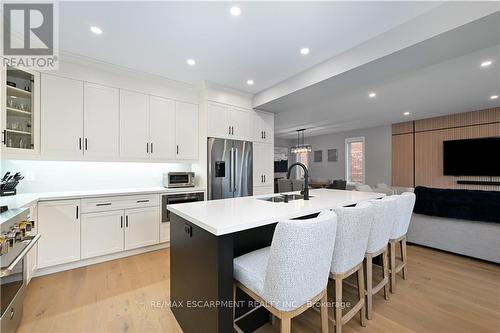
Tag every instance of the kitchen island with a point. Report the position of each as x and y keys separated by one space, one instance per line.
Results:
x=206 y=236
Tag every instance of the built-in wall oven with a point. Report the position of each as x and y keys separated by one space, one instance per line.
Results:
x=171 y=199
x=15 y=243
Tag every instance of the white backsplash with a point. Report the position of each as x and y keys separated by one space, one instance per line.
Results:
x=55 y=176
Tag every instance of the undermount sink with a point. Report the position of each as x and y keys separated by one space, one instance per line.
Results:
x=281 y=197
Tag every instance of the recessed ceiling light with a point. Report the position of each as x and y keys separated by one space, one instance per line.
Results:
x=96 y=30
x=235 y=11
x=494 y=97
x=486 y=63
x=304 y=50
x=250 y=82
x=407 y=113
x=372 y=95
x=191 y=62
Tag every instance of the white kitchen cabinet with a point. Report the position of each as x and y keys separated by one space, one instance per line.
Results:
x=186 y=131
x=263 y=127
x=101 y=122
x=61 y=117
x=134 y=125
x=162 y=128
x=59 y=225
x=164 y=232
x=141 y=227
x=263 y=165
x=102 y=233
x=229 y=122
x=263 y=190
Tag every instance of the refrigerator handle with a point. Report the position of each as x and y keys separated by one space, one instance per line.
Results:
x=235 y=160
x=231 y=163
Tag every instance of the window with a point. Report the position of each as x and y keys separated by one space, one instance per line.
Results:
x=355 y=159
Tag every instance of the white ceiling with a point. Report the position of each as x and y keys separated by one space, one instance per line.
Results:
x=439 y=76
x=262 y=44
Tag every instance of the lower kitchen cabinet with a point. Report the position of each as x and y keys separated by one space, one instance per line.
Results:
x=164 y=232
x=59 y=225
x=141 y=227
x=31 y=257
x=263 y=190
x=102 y=233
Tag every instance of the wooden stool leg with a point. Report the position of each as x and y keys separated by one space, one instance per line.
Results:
x=338 y=305
x=392 y=253
x=385 y=269
x=369 y=286
x=324 y=313
x=361 y=294
x=285 y=324
x=403 y=257
x=234 y=301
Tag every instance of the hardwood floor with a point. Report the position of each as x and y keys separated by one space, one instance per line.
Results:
x=443 y=293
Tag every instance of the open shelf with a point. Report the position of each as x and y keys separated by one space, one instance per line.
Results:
x=17 y=111
x=13 y=91
x=17 y=132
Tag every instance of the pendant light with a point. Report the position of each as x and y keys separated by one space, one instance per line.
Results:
x=300 y=147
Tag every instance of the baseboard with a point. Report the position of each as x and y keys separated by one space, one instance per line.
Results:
x=97 y=260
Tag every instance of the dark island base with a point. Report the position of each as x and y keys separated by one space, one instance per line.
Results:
x=201 y=276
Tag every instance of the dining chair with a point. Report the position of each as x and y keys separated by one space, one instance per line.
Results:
x=405 y=204
x=384 y=212
x=291 y=275
x=353 y=229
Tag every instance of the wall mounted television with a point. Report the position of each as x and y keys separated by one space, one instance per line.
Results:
x=472 y=157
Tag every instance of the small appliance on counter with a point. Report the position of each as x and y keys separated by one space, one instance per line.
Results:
x=8 y=183
x=16 y=240
x=178 y=179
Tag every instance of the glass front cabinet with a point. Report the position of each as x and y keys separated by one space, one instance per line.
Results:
x=20 y=112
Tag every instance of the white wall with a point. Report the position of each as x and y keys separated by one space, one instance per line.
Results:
x=378 y=154
x=55 y=176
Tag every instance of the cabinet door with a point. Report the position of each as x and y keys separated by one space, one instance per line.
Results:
x=164 y=232
x=101 y=122
x=31 y=257
x=241 y=121
x=186 y=131
x=134 y=125
x=59 y=225
x=263 y=190
x=162 y=128
x=141 y=227
x=62 y=117
x=263 y=127
x=102 y=233
x=218 y=125
x=263 y=161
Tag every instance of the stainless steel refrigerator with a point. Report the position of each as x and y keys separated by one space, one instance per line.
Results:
x=230 y=168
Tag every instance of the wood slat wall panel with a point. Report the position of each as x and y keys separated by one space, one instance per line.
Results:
x=459 y=119
x=429 y=156
x=406 y=127
x=402 y=160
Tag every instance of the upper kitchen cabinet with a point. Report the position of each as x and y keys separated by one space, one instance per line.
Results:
x=134 y=125
x=62 y=117
x=20 y=112
x=101 y=122
x=263 y=127
x=229 y=122
x=162 y=128
x=186 y=131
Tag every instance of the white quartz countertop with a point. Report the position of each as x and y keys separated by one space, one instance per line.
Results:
x=27 y=199
x=225 y=216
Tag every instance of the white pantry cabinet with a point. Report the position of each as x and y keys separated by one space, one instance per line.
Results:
x=263 y=127
x=102 y=233
x=134 y=125
x=141 y=227
x=263 y=165
x=101 y=122
x=162 y=128
x=61 y=117
x=186 y=131
x=59 y=225
x=229 y=122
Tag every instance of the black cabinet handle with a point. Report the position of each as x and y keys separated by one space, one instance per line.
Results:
x=121 y=221
x=126 y=221
x=4 y=140
x=139 y=201
x=80 y=143
x=85 y=143
x=151 y=147
x=147 y=147
x=264 y=178
x=232 y=129
x=264 y=134
x=104 y=204
x=77 y=212
x=229 y=130
x=177 y=149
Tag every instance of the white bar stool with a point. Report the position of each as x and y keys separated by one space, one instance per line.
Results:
x=291 y=275
x=405 y=204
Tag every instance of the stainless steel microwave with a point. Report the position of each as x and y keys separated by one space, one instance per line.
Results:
x=178 y=179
